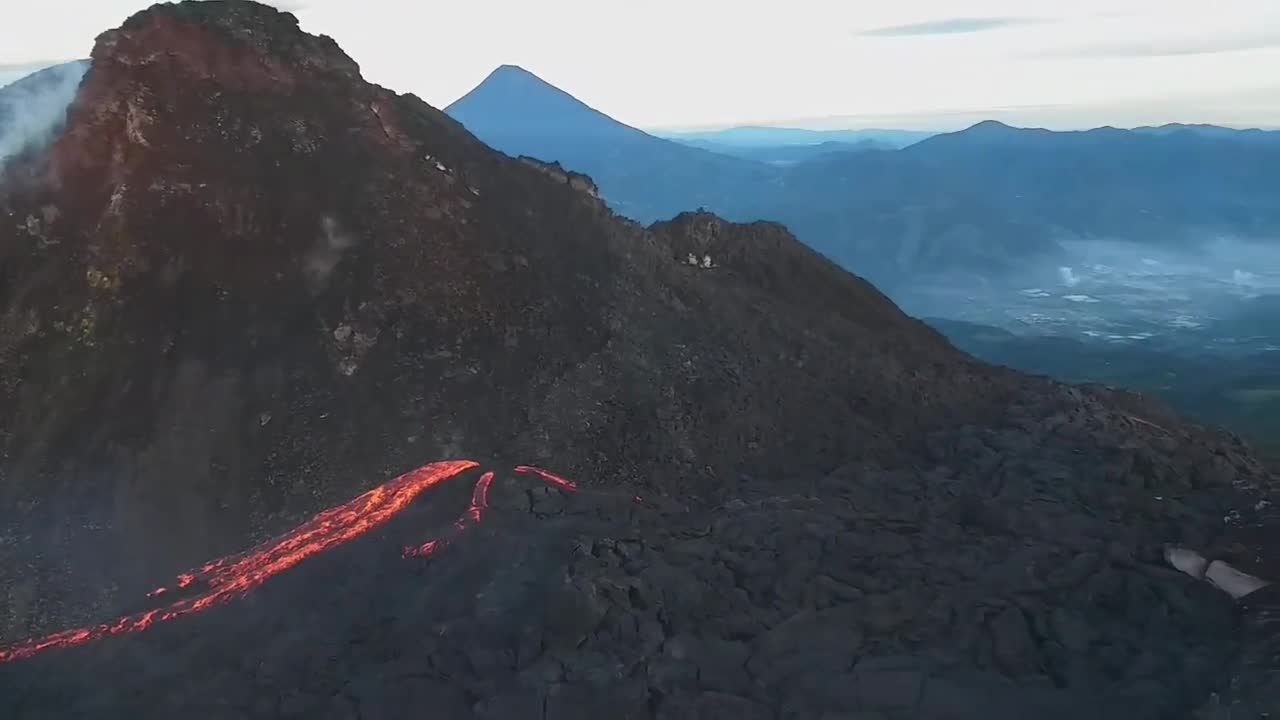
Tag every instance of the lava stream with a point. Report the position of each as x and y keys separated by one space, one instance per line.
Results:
x=230 y=577
x=479 y=502
x=560 y=482
x=548 y=477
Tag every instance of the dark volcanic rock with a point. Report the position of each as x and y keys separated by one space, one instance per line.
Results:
x=245 y=285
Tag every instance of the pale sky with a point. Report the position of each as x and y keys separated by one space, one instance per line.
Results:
x=937 y=64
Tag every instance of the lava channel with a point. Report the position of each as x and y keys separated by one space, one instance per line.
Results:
x=480 y=503
x=228 y=578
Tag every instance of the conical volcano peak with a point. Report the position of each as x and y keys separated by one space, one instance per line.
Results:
x=514 y=73
x=508 y=77
x=511 y=89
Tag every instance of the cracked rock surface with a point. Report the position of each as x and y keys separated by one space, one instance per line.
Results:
x=828 y=603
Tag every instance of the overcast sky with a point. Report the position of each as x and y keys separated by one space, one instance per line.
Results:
x=935 y=64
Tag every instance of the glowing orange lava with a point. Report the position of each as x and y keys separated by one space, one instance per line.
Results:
x=548 y=477
x=231 y=577
x=479 y=501
x=560 y=482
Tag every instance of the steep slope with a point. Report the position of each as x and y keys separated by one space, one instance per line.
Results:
x=244 y=286
x=520 y=114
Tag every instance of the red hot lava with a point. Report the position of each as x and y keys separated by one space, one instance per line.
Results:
x=231 y=577
x=547 y=477
x=479 y=503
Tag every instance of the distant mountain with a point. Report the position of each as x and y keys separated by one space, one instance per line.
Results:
x=641 y=176
x=1215 y=131
x=766 y=137
x=984 y=200
x=989 y=197
x=788 y=146
x=787 y=154
x=1110 y=183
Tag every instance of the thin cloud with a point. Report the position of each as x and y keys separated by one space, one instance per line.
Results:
x=1256 y=40
x=949 y=26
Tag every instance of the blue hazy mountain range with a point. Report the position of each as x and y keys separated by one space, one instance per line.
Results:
x=757 y=136
x=1250 y=134
x=986 y=199
x=788 y=146
x=990 y=196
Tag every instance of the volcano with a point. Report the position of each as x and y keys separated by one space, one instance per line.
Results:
x=521 y=114
x=245 y=293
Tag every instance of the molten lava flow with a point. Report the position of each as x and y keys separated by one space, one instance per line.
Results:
x=547 y=477
x=479 y=502
x=231 y=577
x=560 y=482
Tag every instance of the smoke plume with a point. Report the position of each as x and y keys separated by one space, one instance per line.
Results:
x=319 y=262
x=34 y=108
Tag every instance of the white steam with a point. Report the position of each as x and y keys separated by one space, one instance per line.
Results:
x=33 y=108
x=323 y=257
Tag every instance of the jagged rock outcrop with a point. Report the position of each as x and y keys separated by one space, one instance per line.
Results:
x=244 y=285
